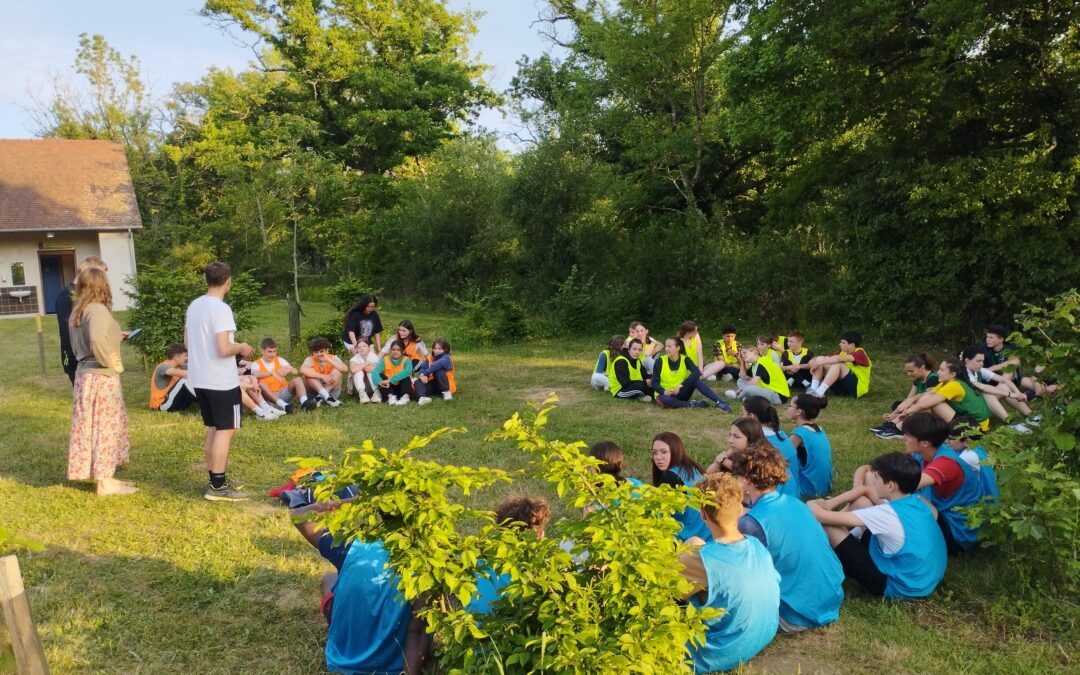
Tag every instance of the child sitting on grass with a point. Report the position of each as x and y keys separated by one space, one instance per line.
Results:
x=522 y=513
x=323 y=372
x=757 y=408
x=169 y=387
x=734 y=573
x=436 y=374
x=362 y=365
x=600 y=378
x=760 y=376
x=273 y=374
x=393 y=375
x=629 y=378
x=371 y=628
x=886 y=536
x=795 y=361
x=676 y=378
x=810 y=574
x=922 y=370
x=847 y=371
x=815 y=467
x=673 y=466
x=727 y=360
x=948 y=483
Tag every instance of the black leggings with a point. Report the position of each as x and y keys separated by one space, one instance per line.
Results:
x=399 y=389
x=635 y=390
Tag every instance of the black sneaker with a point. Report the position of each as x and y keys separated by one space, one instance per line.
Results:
x=332 y=402
x=289 y=409
x=890 y=434
x=724 y=407
x=310 y=404
x=225 y=493
x=699 y=404
x=879 y=428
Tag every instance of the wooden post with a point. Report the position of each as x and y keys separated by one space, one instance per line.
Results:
x=40 y=343
x=25 y=641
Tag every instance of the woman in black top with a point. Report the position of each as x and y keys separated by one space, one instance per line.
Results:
x=362 y=321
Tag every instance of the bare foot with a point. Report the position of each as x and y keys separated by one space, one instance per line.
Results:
x=112 y=486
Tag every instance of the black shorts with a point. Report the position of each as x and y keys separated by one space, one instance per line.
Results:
x=847 y=385
x=854 y=555
x=220 y=409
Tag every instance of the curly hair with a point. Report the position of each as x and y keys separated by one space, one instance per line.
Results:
x=529 y=512
x=760 y=464
x=725 y=494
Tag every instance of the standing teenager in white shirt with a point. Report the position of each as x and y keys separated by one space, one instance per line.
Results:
x=208 y=332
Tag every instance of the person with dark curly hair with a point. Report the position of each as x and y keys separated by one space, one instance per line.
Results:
x=811 y=577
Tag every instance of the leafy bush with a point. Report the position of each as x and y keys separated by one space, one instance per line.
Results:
x=161 y=295
x=1038 y=517
x=619 y=611
x=491 y=317
x=345 y=293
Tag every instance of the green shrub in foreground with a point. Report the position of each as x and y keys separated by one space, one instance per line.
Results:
x=608 y=604
x=1038 y=517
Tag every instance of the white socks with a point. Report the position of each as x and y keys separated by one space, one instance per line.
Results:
x=281 y=404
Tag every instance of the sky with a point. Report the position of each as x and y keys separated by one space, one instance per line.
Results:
x=174 y=44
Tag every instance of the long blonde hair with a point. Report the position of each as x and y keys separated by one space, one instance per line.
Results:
x=91 y=286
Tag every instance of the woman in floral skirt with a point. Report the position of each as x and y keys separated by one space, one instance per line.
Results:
x=99 y=425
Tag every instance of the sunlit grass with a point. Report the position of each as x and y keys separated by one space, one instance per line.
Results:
x=164 y=581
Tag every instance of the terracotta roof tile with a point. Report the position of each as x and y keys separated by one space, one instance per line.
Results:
x=65 y=185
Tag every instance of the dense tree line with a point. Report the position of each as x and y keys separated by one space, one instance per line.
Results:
x=903 y=167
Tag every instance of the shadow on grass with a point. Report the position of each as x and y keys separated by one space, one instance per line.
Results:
x=134 y=614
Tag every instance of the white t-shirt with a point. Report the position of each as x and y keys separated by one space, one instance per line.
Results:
x=883 y=522
x=372 y=357
x=206 y=317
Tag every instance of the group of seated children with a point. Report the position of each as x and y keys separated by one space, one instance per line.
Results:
x=755 y=550
x=670 y=372
x=976 y=385
x=271 y=387
x=403 y=370
x=891 y=532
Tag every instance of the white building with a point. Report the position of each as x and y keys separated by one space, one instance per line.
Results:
x=61 y=201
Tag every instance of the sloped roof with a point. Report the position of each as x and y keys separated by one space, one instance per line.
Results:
x=65 y=185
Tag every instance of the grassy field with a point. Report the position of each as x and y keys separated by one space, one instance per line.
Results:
x=164 y=581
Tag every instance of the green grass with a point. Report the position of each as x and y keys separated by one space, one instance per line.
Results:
x=164 y=581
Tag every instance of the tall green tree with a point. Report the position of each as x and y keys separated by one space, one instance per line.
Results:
x=931 y=145
x=382 y=81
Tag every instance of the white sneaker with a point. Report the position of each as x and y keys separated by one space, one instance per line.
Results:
x=392 y=400
x=364 y=398
x=727 y=377
x=731 y=393
x=423 y=400
x=262 y=416
x=711 y=378
x=376 y=397
x=276 y=412
x=1021 y=428
x=447 y=396
x=791 y=381
x=404 y=400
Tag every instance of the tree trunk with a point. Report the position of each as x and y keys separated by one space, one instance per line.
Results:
x=262 y=225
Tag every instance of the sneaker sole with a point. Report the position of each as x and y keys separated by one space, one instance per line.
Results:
x=220 y=498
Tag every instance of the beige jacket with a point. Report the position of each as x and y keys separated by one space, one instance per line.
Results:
x=97 y=342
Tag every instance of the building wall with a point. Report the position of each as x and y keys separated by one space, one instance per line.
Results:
x=117 y=252
x=112 y=247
